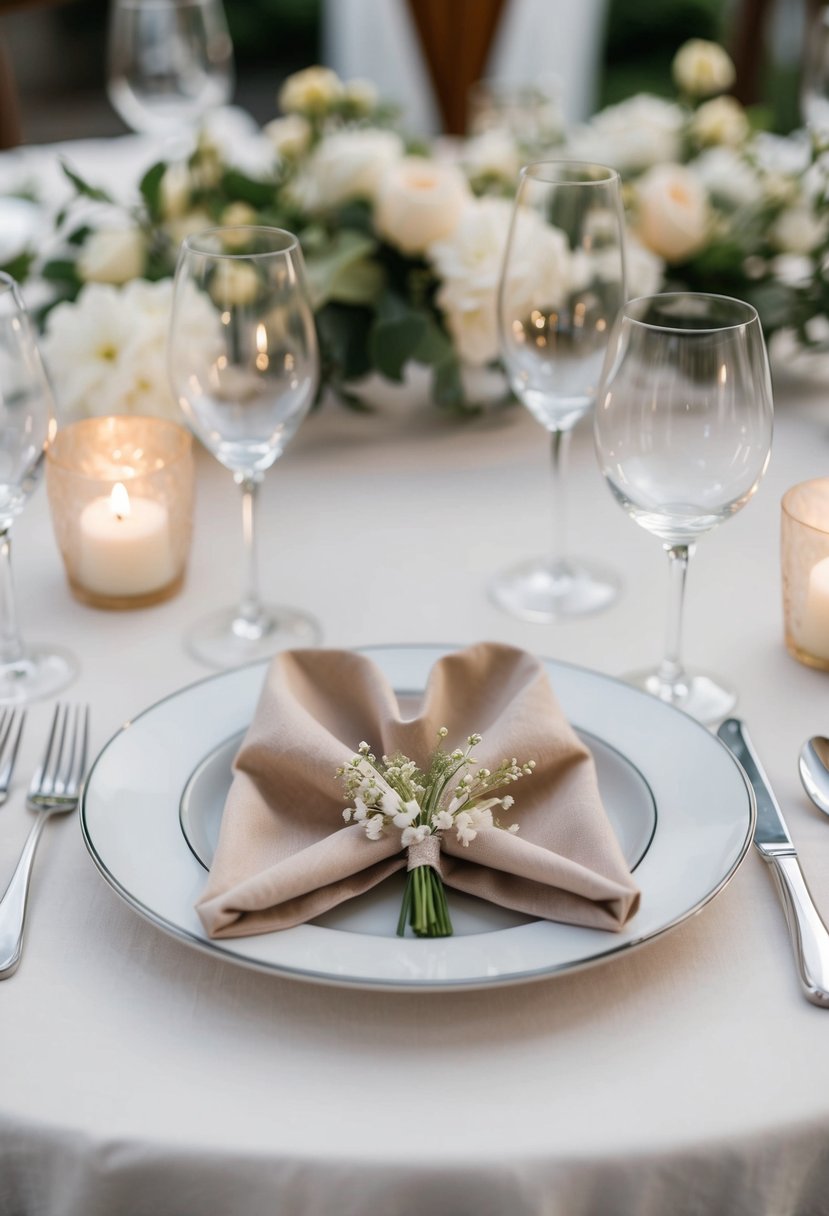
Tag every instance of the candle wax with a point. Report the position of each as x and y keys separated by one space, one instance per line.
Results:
x=814 y=633
x=123 y=555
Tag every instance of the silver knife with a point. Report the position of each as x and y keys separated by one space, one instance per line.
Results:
x=772 y=840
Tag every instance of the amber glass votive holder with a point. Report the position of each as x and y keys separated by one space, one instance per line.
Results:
x=804 y=551
x=121 y=498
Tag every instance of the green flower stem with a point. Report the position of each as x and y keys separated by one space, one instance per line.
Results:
x=424 y=905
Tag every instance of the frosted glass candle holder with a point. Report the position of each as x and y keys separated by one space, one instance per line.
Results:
x=804 y=544
x=121 y=497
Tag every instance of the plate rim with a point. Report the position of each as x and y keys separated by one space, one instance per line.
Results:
x=223 y=949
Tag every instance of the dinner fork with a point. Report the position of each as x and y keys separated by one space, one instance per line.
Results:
x=11 y=731
x=55 y=788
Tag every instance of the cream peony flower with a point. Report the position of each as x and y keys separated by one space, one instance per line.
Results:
x=311 y=91
x=671 y=212
x=234 y=282
x=290 y=136
x=701 y=68
x=112 y=255
x=348 y=165
x=632 y=135
x=419 y=202
x=720 y=121
x=186 y=225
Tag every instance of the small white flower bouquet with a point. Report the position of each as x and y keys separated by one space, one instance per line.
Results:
x=448 y=797
x=404 y=247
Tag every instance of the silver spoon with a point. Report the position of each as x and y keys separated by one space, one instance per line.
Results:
x=814 y=771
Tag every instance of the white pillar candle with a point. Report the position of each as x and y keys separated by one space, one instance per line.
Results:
x=125 y=547
x=814 y=633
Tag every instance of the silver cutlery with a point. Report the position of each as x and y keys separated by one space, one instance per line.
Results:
x=55 y=789
x=814 y=771
x=12 y=722
x=809 y=934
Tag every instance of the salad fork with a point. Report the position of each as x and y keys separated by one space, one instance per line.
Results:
x=11 y=731
x=55 y=788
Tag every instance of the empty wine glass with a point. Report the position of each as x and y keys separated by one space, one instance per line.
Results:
x=814 y=86
x=169 y=63
x=244 y=366
x=683 y=429
x=27 y=427
x=562 y=284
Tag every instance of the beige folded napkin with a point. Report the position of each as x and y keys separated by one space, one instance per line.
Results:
x=285 y=855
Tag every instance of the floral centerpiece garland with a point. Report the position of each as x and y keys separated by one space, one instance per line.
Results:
x=404 y=247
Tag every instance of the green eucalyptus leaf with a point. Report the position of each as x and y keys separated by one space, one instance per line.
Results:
x=243 y=189
x=150 y=188
x=393 y=343
x=329 y=265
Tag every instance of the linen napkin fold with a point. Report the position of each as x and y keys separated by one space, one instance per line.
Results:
x=285 y=856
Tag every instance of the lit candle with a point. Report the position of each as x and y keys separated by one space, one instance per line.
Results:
x=125 y=547
x=814 y=632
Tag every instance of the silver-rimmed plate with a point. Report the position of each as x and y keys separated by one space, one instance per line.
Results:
x=679 y=802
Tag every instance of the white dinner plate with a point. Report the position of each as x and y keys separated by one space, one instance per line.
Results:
x=679 y=803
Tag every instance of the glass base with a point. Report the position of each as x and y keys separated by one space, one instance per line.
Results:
x=40 y=673
x=701 y=696
x=542 y=590
x=224 y=639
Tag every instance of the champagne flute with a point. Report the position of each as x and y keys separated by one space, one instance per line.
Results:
x=169 y=63
x=244 y=366
x=562 y=284
x=27 y=427
x=814 y=87
x=683 y=429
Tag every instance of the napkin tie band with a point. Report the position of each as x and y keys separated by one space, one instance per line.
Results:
x=424 y=852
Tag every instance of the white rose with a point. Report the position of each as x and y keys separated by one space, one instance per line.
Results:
x=727 y=176
x=702 y=68
x=311 y=91
x=786 y=155
x=361 y=94
x=492 y=154
x=631 y=136
x=720 y=121
x=112 y=255
x=349 y=165
x=175 y=190
x=234 y=282
x=191 y=222
x=671 y=212
x=290 y=136
x=419 y=202
x=798 y=230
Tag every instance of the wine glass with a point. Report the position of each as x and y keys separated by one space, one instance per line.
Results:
x=814 y=86
x=244 y=366
x=562 y=284
x=27 y=427
x=169 y=63
x=683 y=429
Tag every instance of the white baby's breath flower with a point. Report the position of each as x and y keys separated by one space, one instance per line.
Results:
x=347 y=813
x=112 y=255
x=701 y=68
x=466 y=833
x=374 y=826
x=443 y=820
x=671 y=212
x=631 y=136
x=407 y=814
x=720 y=121
x=419 y=202
x=290 y=136
x=312 y=91
x=513 y=828
x=412 y=835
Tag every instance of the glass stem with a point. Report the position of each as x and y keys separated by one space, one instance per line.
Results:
x=251 y=621
x=559 y=452
x=11 y=644
x=671 y=672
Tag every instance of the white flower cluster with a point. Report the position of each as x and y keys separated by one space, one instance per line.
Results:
x=395 y=793
x=107 y=352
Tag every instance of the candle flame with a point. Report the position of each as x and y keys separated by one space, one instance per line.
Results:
x=119 y=501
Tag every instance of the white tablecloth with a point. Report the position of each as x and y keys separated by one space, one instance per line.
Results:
x=689 y=1076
